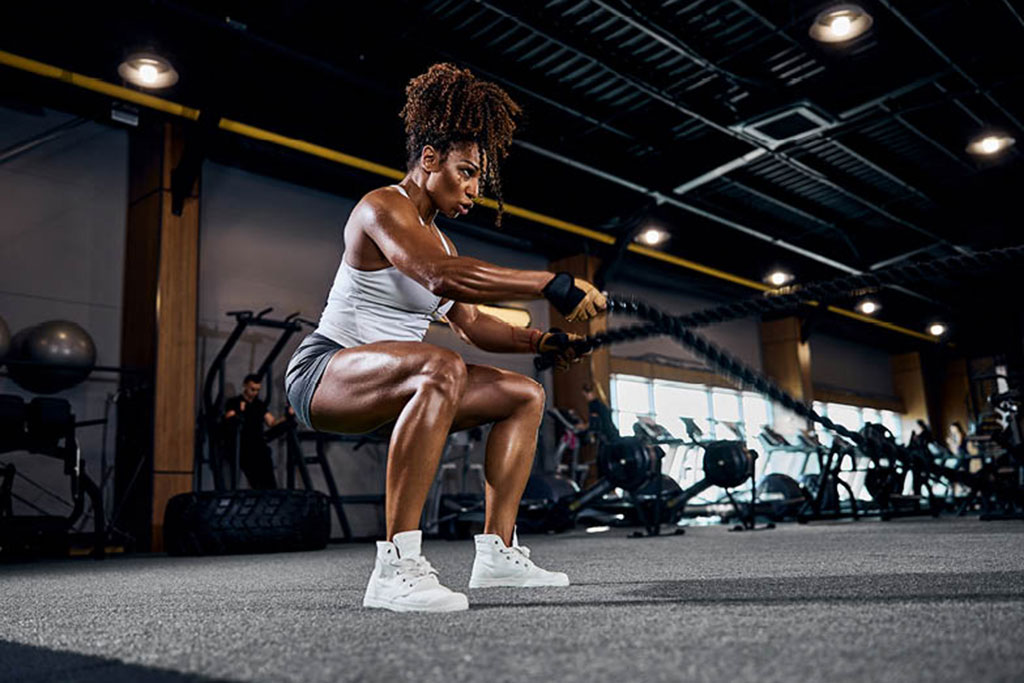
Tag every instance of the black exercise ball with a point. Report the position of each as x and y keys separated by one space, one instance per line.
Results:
x=5 y=339
x=54 y=355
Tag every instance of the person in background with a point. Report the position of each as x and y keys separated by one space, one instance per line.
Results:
x=246 y=416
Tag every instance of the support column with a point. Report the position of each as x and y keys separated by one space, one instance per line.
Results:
x=595 y=368
x=156 y=429
x=908 y=383
x=954 y=402
x=787 y=360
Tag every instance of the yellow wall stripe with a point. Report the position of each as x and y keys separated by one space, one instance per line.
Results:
x=166 y=106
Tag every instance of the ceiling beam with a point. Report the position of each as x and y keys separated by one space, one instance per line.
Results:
x=672 y=102
x=953 y=65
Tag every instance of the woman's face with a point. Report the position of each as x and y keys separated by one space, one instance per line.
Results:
x=454 y=181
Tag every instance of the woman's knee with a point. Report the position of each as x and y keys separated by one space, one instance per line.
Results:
x=444 y=371
x=529 y=394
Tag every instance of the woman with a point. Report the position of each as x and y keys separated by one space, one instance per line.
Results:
x=367 y=366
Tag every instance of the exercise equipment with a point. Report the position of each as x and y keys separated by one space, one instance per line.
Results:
x=1003 y=463
x=45 y=426
x=676 y=327
x=781 y=496
x=455 y=502
x=299 y=460
x=246 y=521
x=543 y=492
x=221 y=523
x=220 y=454
x=572 y=433
x=634 y=465
x=51 y=357
x=821 y=488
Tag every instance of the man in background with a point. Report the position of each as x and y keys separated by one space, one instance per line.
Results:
x=245 y=417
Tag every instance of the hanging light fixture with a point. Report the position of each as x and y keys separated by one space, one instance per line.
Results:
x=777 y=278
x=148 y=70
x=989 y=144
x=937 y=329
x=869 y=306
x=840 y=23
x=652 y=237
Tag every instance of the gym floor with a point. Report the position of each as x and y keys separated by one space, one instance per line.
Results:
x=906 y=600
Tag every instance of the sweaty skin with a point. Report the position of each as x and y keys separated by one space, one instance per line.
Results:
x=426 y=390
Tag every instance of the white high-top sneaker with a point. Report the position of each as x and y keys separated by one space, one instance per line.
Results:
x=498 y=565
x=404 y=581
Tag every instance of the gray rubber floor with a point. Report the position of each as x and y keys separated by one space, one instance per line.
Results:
x=907 y=600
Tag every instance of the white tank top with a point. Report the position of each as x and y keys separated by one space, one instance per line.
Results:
x=366 y=306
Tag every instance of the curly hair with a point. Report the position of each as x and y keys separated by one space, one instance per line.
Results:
x=447 y=106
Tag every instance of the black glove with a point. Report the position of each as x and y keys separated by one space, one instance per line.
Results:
x=574 y=298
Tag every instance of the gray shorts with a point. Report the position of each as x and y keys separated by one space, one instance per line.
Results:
x=304 y=372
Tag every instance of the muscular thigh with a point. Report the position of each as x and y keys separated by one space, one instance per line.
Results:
x=365 y=387
x=494 y=394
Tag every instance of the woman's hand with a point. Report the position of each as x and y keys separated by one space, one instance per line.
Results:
x=563 y=348
x=574 y=298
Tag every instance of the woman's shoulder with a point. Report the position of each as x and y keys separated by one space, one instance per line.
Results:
x=387 y=200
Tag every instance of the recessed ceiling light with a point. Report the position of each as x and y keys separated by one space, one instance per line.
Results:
x=869 y=307
x=840 y=23
x=652 y=236
x=989 y=144
x=148 y=70
x=937 y=329
x=778 y=278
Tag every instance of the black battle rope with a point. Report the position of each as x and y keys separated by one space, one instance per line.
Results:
x=731 y=366
x=903 y=274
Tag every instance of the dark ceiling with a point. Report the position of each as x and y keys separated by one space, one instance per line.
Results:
x=631 y=106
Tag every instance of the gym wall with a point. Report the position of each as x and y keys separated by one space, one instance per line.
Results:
x=740 y=337
x=848 y=366
x=62 y=227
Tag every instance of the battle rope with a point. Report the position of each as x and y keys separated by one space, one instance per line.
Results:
x=901 y=274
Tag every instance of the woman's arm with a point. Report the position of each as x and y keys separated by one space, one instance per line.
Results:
x=489 y=333
x=395 y=229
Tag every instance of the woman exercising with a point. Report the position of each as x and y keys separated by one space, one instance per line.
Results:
x=366 y=365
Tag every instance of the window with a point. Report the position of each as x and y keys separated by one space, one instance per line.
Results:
x=709 y=407
x=667 y=401
x=631 y=397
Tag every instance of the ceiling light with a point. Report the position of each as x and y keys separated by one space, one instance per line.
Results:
x=778 y=278
x=653 y=236
x=868 y=307
x=148 y=70
x=840 y=23
x=989 y=144
x=937 y=329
